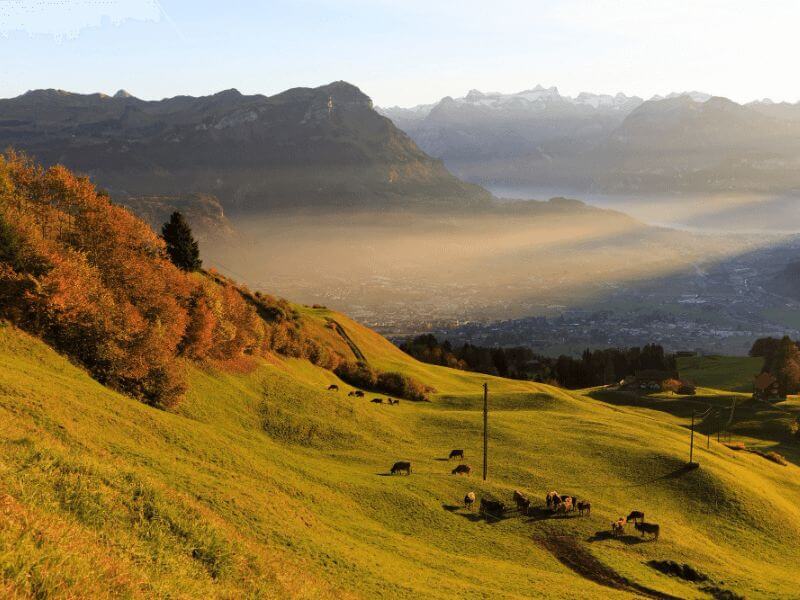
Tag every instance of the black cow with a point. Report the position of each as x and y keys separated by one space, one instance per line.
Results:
x=636 y=515
x=377 y=400
x=462 y=470
x=400 y=466
x=494 y=508
x=456 y=454
x=333 y=388
x=650 y=528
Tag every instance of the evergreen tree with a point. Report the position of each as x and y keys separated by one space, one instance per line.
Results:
x=181 y=246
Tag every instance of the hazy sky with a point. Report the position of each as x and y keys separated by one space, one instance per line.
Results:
x=402 y=52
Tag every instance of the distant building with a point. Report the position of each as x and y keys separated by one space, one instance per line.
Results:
x=765 y=387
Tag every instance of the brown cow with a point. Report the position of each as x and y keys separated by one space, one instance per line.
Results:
x=522 y=501
x=400 y=466
x=377 y=400
x=462 y=470
x=584 y=506
x=618 y=527
x=333 y=388
x=359 y=394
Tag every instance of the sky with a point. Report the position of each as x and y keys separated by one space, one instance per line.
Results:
x=402 y=52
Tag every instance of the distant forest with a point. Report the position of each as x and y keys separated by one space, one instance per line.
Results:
x=594 y=367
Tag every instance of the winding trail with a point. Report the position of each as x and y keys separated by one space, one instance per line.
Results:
x=347 y=339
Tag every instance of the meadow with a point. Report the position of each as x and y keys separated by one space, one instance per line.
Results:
x=263 y=484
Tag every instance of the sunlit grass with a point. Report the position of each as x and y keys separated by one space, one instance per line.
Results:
x=263 y=484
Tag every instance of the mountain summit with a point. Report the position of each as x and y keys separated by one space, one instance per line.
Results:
x=304 y=147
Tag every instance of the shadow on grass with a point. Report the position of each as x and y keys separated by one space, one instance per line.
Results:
x=628 y=539
x=442 y=459
x=538 y=513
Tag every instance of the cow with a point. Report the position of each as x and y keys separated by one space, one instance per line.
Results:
x=523 y=502
x=584 y=506
x=377 y=400
x=358 y=394
x=400 y=466
x=566 y=505
x=393 y=402
x=494 y=508
x=650 y=528
x=333 y=388
x=636 y=515
x=618 y=527
x=351 y=394
x=553 y=500
x=456 y=454
x=469 y=500
x=462 y=470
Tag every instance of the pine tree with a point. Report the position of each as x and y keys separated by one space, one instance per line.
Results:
x=181 y=246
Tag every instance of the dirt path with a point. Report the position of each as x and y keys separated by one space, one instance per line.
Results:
x=573 y=555
x=352 y=345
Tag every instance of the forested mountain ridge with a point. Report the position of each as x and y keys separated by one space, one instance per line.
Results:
x=320 y=147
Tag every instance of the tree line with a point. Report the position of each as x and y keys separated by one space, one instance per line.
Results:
x=594 y=367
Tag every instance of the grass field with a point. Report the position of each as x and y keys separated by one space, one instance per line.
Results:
x=729 y=373
x=263 y=484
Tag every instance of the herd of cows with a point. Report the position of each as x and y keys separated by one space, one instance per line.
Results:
x=359 y=394
x=492 y=508
x=555 y=502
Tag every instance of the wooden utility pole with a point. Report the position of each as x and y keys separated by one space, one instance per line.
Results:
x=691 y=443
x=485 y=430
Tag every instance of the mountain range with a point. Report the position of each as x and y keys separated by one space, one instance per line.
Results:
x=320 y=147
x=686 y=142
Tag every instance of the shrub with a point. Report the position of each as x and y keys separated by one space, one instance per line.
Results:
x=360 y=374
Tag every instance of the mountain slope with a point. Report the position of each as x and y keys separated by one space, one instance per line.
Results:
x=688 y=142
x=321 y=147
x=264 y=484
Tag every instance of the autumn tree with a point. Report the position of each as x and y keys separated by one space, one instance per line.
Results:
x=182 y=248
x=784 y=364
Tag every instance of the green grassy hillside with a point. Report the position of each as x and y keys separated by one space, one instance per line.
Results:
x=263 y=484
x=730 y=373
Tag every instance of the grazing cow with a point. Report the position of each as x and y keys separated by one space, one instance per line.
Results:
x=400 y=466
x=494 y=508
x=456 y=454
x=351 y=394
x=522 y=501
x=393 y=402
x=469 y=500
x=618 y=527
x=358 y=394
x=650 y=528
x=333 y=388
x=462 y=470
x=636 y=515
x=553 y=500
x=584 y=506
x=566 y=505
x=377 y=400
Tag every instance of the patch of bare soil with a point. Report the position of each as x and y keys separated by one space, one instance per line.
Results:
x=576 y=557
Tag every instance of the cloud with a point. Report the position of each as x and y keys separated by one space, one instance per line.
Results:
x=67 y=18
